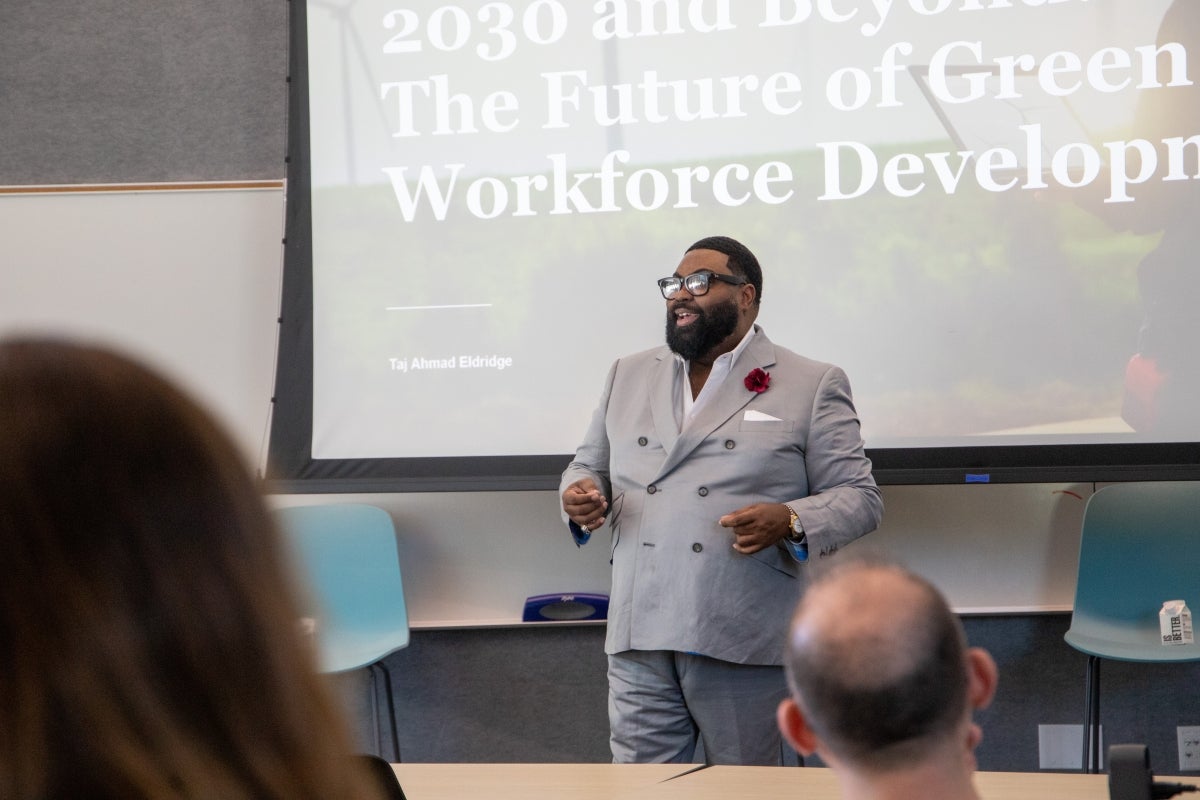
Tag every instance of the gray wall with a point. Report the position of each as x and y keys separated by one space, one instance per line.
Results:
x=126 y=91
x=539 y=694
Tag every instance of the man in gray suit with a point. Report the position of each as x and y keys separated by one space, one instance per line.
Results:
x=720 y=464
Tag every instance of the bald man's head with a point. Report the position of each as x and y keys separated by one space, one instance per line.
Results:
x=877 y=664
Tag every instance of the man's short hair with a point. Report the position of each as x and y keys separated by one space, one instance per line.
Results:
x=880 y=692
x=741 y=260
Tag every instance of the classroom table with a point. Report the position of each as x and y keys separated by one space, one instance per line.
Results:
x=531 y=781
x=677 y=782
x=818 y=783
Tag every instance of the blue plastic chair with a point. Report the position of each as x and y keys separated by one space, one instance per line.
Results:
x=346 y=558
x=1140 y=547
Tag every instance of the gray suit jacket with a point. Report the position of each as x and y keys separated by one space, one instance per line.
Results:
x=677 y=582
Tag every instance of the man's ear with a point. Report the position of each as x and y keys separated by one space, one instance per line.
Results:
x=747 y=295
x=795 y=728
x=982 y=677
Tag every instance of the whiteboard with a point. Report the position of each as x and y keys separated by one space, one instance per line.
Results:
x=188 y=281
x=470 y=559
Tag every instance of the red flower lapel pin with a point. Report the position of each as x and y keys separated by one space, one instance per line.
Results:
x=758 y=381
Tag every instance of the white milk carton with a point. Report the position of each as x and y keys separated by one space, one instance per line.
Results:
x=1175 y=623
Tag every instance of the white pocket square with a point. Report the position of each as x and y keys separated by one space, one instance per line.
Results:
x=758 y=416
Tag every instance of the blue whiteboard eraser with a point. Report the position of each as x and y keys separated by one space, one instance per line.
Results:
x=565 y=607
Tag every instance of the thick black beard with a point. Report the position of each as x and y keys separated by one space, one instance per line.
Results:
x=710 y=329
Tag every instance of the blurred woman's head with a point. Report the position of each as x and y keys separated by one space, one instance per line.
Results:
x=148 y=639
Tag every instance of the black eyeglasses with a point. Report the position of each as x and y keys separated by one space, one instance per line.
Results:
x=697 y=283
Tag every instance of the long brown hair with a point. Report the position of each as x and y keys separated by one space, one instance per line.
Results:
x=149 y=645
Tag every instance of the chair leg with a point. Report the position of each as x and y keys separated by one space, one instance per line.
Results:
x=391 y=704
x=1091 y=717
x=375 y=709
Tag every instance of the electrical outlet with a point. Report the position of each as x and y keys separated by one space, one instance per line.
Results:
x=1061 y=746
x=1189 y=747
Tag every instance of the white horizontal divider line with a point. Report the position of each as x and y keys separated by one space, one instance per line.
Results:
x=438 y=308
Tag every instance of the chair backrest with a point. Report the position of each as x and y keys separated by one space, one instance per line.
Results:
x=345 y=556
x=1140 y=546
x=383 y=776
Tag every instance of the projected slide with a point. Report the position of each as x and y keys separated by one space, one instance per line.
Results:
x=983 y=210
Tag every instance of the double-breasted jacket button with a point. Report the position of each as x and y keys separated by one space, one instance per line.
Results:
x=652 y=488
x=702 y=491
x=643 y=441
x=729 y=444
x=697 y=547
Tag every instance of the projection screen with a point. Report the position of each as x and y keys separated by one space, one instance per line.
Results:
x=983 y=210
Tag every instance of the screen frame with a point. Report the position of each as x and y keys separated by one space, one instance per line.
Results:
x=292 y=469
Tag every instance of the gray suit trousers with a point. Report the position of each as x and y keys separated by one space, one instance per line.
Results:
x=662 y=703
